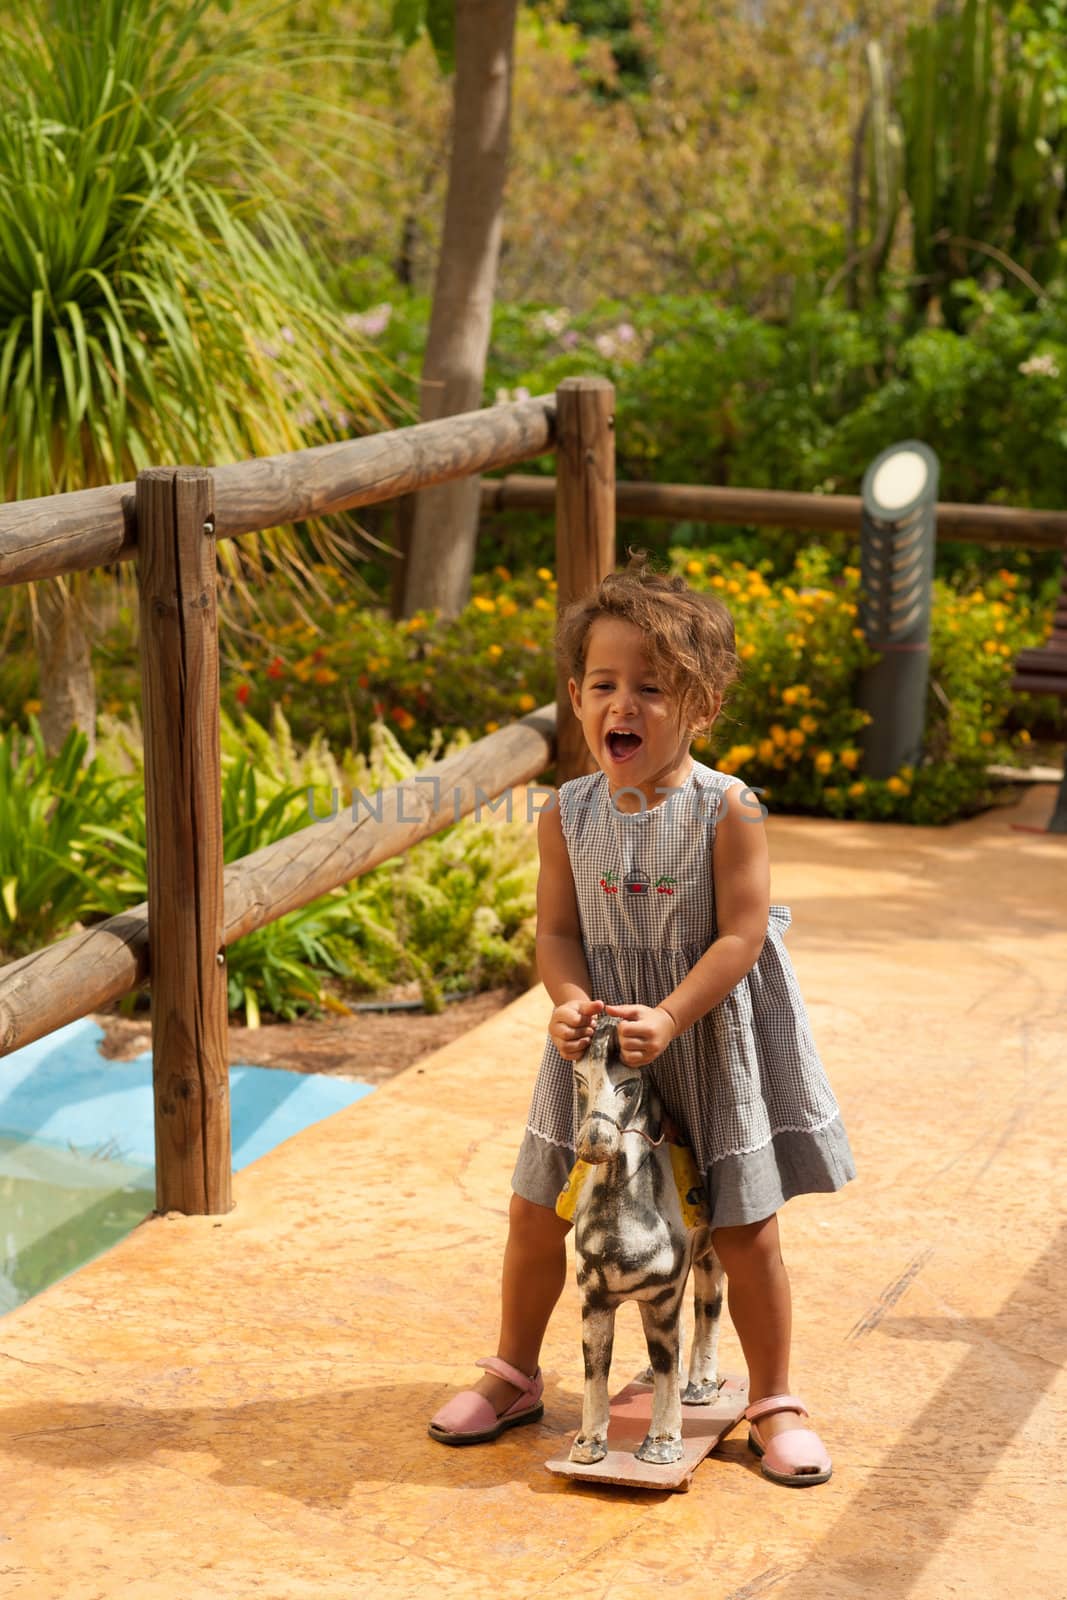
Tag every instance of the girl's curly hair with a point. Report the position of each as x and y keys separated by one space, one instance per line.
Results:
x=688 y=636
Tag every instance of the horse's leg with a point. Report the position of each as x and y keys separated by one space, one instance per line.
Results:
x=646 y=1375
x=703 y=1385
x=663 y=1442
x=598 y=1337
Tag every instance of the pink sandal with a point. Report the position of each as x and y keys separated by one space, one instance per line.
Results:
x=469 y=1418
x=796 y=1456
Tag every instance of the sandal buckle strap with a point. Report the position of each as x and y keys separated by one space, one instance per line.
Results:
x=510 y=1374
x=774 y=1403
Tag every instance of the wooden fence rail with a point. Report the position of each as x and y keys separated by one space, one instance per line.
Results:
x=684 y=502
x=95 y=527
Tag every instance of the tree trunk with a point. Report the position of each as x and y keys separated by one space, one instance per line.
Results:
x=440 y=557
x=63 y=633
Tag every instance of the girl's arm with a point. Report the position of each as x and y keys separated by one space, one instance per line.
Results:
x=742 y=874
x=561 y=962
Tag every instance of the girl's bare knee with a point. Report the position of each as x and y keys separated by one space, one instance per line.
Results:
x=750 y=1245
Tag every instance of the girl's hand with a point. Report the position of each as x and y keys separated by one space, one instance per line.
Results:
x=571 y=1026
x=644 y=1032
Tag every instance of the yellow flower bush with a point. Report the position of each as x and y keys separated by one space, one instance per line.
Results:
x=803 y=655
x=792 y=722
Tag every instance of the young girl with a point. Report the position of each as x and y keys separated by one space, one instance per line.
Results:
x=653 y=904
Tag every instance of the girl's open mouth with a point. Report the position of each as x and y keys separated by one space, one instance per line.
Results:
x=621 y=746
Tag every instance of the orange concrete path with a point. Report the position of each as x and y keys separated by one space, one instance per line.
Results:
x=236 y=1406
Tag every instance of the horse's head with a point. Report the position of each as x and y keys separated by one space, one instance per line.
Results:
x=611 y=1097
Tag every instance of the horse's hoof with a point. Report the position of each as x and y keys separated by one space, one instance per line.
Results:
x=659 y=1451
x=700 y=1394
x=588 y=1451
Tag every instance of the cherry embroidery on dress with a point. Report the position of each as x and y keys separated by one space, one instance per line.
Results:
x=665 y=885
x=608 y=883
x=638 y=882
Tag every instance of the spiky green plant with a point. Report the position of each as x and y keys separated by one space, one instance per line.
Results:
x=977 y=137
x=158 y=300
x=985 y=146
x=43 y=807
x=876 y=189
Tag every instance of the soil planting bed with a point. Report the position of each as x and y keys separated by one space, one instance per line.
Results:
x=370 y=1045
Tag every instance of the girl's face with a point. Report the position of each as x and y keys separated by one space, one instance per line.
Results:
x=631 y=723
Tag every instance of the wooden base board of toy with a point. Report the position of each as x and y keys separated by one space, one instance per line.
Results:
x=703 y=1427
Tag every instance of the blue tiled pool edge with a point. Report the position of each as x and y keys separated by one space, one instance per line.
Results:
x=62 y=1090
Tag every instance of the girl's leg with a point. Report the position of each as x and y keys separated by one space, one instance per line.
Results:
x=761 y=1311
x=535 y=1270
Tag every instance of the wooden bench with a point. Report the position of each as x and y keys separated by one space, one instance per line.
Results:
x=1044 y=671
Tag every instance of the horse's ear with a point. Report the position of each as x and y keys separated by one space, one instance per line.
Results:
x=655 y=1107
x=609 y=1026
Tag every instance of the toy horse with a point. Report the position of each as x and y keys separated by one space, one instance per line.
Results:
x=637 y=1232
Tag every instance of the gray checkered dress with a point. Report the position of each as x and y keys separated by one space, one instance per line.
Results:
x=745 y=1083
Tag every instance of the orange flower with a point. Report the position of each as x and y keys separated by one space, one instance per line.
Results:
x=402 y=718
x=243 y=691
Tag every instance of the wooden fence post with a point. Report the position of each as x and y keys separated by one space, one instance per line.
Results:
x=176 y=575
x=585 y=527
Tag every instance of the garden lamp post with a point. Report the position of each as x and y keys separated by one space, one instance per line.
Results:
x=897 y=539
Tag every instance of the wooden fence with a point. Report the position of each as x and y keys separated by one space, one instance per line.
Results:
x=169 y=521
x=688 y=502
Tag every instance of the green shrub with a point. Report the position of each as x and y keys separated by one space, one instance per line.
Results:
x=707 y=394
x=455 y=912
x=45 y=804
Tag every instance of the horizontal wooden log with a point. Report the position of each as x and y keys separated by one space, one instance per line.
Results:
x=1043 y=669
x=1042 y=683
x=46 y=990
x=94 y=527
x=684 y=502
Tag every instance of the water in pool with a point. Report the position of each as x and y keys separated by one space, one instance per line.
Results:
x=60 y=1207
x=77 y=1147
